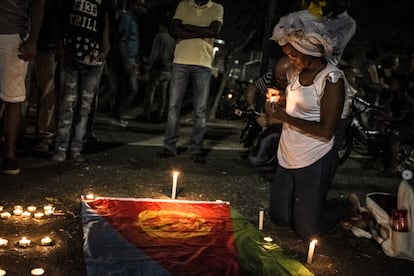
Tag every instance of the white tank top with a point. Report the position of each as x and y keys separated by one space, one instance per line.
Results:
x=297 y=148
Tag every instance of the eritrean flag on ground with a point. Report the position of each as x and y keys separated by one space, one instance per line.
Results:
x=173 y=237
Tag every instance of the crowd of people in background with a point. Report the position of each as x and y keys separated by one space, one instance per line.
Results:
x=65 y=51
x=98 y=48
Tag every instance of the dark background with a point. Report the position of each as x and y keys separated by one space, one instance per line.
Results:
x=384 y=23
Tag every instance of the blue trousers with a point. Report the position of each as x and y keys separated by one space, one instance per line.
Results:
x=298 y=198
x=181 y=76
x=75 y=95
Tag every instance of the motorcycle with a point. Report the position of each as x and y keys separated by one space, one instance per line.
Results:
x=262 y=143
x=369 y=131
x=231 y=100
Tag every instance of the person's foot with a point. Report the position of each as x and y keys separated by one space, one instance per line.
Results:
x=59 y=156
x=10 y=166
x=166 y=153
x=355 y=212
x=77 y=156
x=42 y=146
x=198 y=158
x=118 y=122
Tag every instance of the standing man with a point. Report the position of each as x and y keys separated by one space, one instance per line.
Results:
x=81 y=50
x=194 y=25
x=124 y=58
x=160 y=61
x=340 y=24
x=45 y=65
x=18 y=44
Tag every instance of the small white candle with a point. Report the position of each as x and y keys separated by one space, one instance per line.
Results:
x=17 y=212
x=31 y=209
x=174 y=186
x=3 y=242
x=261 y=218
x=48 y=210
x=47 y=207
x=39 y=215
x=2 y=272
x=37 y=271
x=18 y=207
x=1 y=208
x=311 y=251
x=46 y=241
x=5 y=215
x=90 y=196
x=26 y=214
x=268 y=239
x=24 y=242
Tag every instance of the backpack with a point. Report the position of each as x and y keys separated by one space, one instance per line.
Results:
x=380 y=205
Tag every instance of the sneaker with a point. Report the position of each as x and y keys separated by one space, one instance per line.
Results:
x=198 y=158
x=59 y=156
x=165 y=153
x=118 y=122
x=42 y=146
x=10 y=166
x=77 y=156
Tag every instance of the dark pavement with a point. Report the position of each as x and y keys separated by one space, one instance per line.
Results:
x=123 y=164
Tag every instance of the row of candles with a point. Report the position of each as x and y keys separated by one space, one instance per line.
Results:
x=34 y=271
x=25 y=242
x=18 y=210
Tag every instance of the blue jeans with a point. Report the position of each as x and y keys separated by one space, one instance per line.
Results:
x=298 y=198
x=127 y=85
x=75 y=95
x=181 y=76
x=158 y=82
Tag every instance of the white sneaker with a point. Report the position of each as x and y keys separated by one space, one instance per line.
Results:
x=118 y=122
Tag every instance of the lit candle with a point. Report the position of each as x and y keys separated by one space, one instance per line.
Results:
x=311 y=251
x=174 y=186
x=5 y=215
x=48 y=210
x=26 y=214
x=17 y=212
x=47 y=207
x=3 y=242
x=1 y=208
x=90 y=196
x=261 y=217
x=18 y=207
x=268 y=239
x=2 y=272
x=39 y=215
x=37 y=271
x=24 y=242
x=46 y=241
x=31 y=209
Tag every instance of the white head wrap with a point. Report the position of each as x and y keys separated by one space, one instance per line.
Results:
x=305 y=32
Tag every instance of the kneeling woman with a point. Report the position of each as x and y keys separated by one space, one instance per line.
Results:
x=306 y=158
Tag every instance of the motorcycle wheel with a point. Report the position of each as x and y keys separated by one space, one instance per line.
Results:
x=346 y=147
